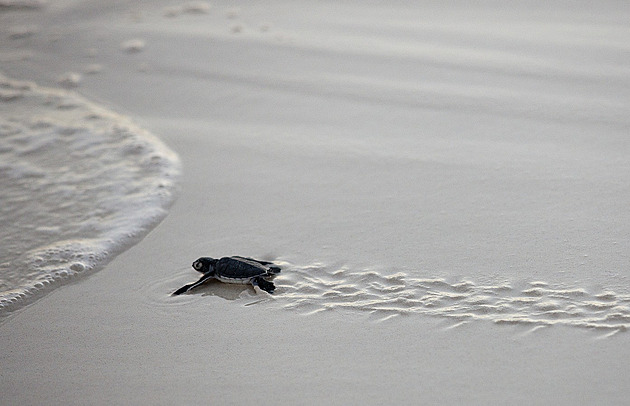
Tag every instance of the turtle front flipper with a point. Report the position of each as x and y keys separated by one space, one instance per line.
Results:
x=190 y=286
x=264 y=284
x=274 y=270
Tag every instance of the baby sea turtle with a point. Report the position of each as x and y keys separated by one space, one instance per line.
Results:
x=239 y=270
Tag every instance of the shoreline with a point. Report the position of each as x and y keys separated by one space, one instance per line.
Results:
x=121 y=167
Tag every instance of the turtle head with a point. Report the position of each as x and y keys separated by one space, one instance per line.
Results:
x=204 y=264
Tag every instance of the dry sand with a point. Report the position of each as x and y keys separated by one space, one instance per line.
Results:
x=479 y=149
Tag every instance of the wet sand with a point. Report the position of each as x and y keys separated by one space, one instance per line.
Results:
x=444 y=187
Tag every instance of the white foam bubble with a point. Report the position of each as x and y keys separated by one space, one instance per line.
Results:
x=79 y=185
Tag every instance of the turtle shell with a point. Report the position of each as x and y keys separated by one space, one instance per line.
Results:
x=240 y=268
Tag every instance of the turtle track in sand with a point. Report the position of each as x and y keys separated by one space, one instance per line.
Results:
x=317 y=288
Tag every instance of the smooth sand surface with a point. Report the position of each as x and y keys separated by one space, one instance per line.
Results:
x=442 y=142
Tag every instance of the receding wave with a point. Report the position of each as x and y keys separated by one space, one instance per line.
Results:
x=79 y=185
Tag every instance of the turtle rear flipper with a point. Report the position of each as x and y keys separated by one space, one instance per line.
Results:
x=190 y=286
x=265 y=285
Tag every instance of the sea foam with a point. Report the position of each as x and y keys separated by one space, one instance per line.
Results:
x=79 y=184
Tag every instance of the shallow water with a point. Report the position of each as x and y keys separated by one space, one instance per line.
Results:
x=79 y=185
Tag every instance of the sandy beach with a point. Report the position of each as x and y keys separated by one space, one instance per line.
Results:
x=444 y=185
